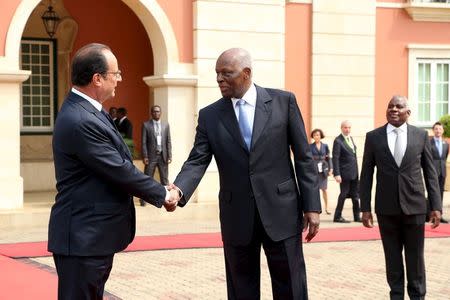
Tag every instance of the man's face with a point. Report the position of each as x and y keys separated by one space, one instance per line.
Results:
x=438 y=131
x=233 y=80
x=109 y=83
x=113 y=113
x=156 y=113
x=397 y=111
x=346 y=128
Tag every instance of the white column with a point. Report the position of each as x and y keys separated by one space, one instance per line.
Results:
x=343 y=66
x=11 y=183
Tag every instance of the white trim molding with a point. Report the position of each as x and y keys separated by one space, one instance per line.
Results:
x=171 y=80
x=299 y=1
x=429 y=12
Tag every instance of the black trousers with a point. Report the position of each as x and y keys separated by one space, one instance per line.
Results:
x=285 y=261
x=441 y=188
x=404 y=233
x=349 y=189
x=82 y=277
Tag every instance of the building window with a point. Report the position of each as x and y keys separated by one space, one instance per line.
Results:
x=38 y=92
x=432 y=90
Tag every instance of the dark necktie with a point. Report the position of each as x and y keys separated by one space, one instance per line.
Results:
x=108 y=117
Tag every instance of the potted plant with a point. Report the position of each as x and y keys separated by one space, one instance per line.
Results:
x=445 y=121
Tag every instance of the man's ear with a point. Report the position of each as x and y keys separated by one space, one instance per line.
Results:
x=247 y=73
x=96 y=79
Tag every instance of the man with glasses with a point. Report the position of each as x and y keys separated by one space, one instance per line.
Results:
x=93 y=216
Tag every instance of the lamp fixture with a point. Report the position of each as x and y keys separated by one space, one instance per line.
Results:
x=51 y=20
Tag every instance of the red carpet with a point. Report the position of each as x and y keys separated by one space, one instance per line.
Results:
x=213 y=240
x=21 y=281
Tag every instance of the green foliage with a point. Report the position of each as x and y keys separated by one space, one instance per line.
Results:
x=445 y=120
x=130 y=143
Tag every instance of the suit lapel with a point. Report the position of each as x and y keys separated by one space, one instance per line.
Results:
x=385 y=145
x=230 y=122
x=90 y=108
x=409 y=142
x=347 y=146
x=263 y=111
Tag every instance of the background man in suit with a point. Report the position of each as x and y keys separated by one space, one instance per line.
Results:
x=439 y=151
x=93 y=216
x=113 y=113
x=156 y=147
x=400 y=152
x=251 y=132
x=124 y=124
x=345 y=171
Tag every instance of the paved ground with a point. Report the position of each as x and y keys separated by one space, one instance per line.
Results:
x=339 y=270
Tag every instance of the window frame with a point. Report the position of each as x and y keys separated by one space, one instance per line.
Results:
x=424 y=53
x=53 y=65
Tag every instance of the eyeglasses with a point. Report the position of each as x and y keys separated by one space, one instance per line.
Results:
x=118 y=74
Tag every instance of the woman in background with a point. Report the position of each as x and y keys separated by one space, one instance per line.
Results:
x=321 y=155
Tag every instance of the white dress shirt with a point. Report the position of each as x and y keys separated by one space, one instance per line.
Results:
x=402 y=135
x=95 y=103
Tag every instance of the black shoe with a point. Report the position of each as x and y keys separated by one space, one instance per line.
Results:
x=444 y=221
x=358 y=220
x=341 y=220
x=142 y=202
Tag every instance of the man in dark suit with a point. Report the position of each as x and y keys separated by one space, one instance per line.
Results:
x=124 y=124
x=439 y=151
x=345 y=171
x=156 y=147
x=93 y=216
x=265 y=198
x=400 y=152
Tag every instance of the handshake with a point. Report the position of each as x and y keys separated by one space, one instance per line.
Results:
x=175 y=196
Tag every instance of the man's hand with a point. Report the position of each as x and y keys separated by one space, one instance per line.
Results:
x=171 y=204
x=311 y=220
x=435 y=218
x=145 y=160
x=338 y=179
x=367 y=219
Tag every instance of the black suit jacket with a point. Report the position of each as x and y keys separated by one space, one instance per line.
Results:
x=125 y=128
x=94 y=212
x=440 y=161
x=263 y=177
x=345 y=163
x=149 y=141
x=399 y=189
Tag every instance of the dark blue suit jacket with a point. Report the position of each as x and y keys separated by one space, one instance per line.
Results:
x=94 y=212
x=265 y=178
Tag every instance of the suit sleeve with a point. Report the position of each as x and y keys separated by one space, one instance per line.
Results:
x=195 y=166
x=96 y=150
x=169 y=144
x=430 y=176
x=366 y=180
x=328 y=158
x=129 y=133
x=144 y=141
x=305 y=168
x=336 y=156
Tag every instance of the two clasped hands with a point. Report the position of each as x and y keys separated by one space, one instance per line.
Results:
x=175 y=196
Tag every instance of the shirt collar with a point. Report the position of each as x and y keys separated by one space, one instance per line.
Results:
x=94 y=102
x=157 y=122
x=390 y=127
x=249 y=96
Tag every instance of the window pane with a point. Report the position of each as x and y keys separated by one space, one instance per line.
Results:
x=25 y=59
x=35 y=70
x=45 y=60
x=36 y=100
x=45 y=100
x=35 y=79
x=36 y=121
x=45 y=70
x=26 y=89
x=26 y=110
x=45 y=80
x=427 y=72
x=44 y=49
x=46 y=121
x=35 y=59
x=26 y=100
x=36 y=90
x=36 y=111
x=26 y=121
x=46 y=111
x=35 y=48
x=25 y=48
x=45 y=90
